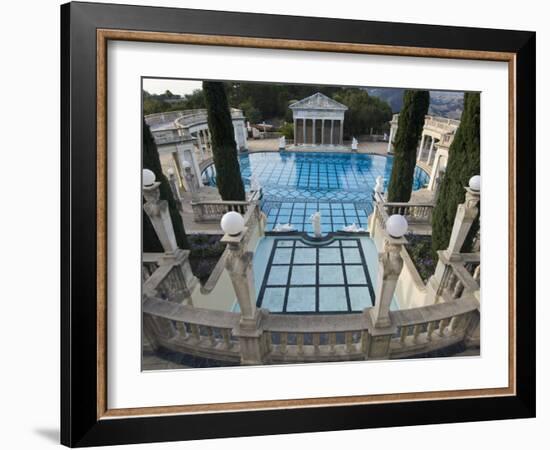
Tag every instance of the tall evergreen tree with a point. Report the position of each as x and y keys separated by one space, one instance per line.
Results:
x=411 y=121
x=463 y=163
x=151 y=161
x=224 y=149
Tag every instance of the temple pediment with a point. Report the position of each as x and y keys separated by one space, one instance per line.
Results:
x=318 y=101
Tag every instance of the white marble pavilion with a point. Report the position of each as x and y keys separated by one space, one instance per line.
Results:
x=318 y=120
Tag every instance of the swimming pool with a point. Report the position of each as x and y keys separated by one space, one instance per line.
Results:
x=297 y=184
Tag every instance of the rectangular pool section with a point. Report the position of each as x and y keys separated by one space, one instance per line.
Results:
x=297 y=184
x=306 y=277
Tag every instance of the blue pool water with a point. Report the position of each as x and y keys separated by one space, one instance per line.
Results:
x=297 y=184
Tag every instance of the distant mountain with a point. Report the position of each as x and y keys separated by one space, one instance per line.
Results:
x=442 y=103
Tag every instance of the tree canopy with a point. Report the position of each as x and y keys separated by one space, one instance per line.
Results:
x=411 y=121
x=151 y=161
x=463 y=163
x=224 y=149
x=270 y=102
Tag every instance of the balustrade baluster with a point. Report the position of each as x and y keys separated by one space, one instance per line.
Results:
x=442 y=325
x=195 y=331
x=211 y=337
x=364 y=341
x=226 y=338
x=182 y=330
x=284 y=341
x=300 y=343
x=457 y=291
x=416 y=332
x=268 y=341
x=455 y=323
x=316 y=342
x=430 y=330
x=349 y=342
x=403 y=334
x=477 y=273
x=332 y=342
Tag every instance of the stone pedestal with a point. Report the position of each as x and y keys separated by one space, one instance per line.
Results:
x=249 y=330
x=465 y=216
x=159 y=214
x=390 y=265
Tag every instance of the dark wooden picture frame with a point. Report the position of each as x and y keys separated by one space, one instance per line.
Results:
x=85 y=30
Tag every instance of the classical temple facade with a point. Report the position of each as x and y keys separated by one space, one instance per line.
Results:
x=318 y=120
x=433 y=151
x=183 y=137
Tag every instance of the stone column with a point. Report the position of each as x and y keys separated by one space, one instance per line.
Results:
x=422 y=141
x=331 y=132
x=159 y=214
x=341 y=132
x=201 y=149
x=431 y=150
x=313 y=131
x=389 y=141
x=381 y=329
x=295 y=131
x=389 y=267
x=322 y=131
x=465 y=216
x=174 y=185
x=239 y=266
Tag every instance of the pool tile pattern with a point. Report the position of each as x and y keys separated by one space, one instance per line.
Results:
x=306 y=277
x=295 y=185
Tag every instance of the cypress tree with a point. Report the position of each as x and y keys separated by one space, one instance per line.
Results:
x=151 y=161
x=411 y=122
x=224 y=148
x=463 y=163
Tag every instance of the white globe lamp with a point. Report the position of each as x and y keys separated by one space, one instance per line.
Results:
x=232 y=223
x=186 y=165
x=170 y=171
x=396 y=226
x=148 y=177
x=475 y=183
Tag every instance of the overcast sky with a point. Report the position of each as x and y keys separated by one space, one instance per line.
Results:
x=180 y=87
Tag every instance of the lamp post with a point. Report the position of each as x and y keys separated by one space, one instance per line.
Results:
x=239 y=266
x=174 y=184
x=389 y=268
x=464 y=218
x=390 y=265
x=158 y=212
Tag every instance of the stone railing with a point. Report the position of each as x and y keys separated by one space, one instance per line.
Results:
x=194 y=331
x=413 y=212
x=213 y=211
x=305 y=338
x=462 y=275
x=192 y=117
x=287 y=338
x=429 y=328
x=170 y=281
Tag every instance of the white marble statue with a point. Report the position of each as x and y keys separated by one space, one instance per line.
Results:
x=284 y=228
x=316 y=222
x=354 y=144
x=379 y=186
x=353 y=228
x=282 y=143
x=255 y=184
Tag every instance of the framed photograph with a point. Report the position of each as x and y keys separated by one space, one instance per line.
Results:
x=276 y=224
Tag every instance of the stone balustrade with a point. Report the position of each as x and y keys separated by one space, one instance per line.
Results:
x=213 y=210
x=413 y=212
x=289 y=338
